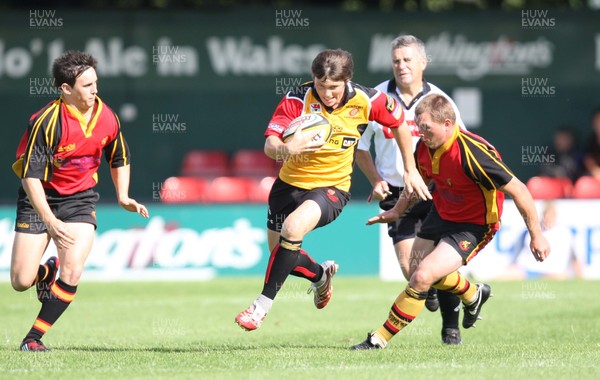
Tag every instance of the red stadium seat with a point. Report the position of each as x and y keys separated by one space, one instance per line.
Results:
x=183 y=190
x=252 y=163
x=567 y=185
x=230 y=190
x=261 y=189
x=546 y=188
x=205 y=163
x=586 y=187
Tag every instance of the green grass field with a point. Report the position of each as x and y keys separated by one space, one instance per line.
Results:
x=531 y=330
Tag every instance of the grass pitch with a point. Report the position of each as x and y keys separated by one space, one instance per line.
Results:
x=177 y=330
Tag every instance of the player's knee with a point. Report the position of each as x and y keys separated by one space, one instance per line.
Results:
x=292 y=230
x=421 y=279
x=20 y=283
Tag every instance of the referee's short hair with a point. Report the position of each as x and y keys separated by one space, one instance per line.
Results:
x=405 y=40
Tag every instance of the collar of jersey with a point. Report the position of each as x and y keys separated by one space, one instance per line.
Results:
x=437 y=155
x=394 y=89
x=86 y=128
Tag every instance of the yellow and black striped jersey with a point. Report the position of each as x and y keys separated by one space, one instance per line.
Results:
x=332 y=165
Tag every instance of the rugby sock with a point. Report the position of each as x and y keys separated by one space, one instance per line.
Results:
x=406 y=307
x=42 y=273
x=61 y=295
x=308 y=268
x=457 y=284
x=281 y=263
x=449 y=308
x=264 y=303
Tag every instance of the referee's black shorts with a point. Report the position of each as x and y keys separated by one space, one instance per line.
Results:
x=407 y=226
x=76 y=208
x=285 y=198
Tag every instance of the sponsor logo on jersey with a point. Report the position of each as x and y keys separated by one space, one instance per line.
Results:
x=449 y=182
x=342 y=142
x=347 y=142
x=66 y=148
x=337 y=128
x=315 y=107
x=353 y=112
x=104 y=140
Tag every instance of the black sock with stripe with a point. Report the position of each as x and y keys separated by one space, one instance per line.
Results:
x=42 y=273
x=61 y=295
x=307 y=268
x=281 y=263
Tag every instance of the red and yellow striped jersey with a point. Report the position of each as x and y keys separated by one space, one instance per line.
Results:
x=64 y=151
x=332 y=165
x=467 y=172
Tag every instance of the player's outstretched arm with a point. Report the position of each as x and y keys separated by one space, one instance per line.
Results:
x=412 y=178
x=381 y=189
x=404 y=202
x=120 y=177
x=518 y=191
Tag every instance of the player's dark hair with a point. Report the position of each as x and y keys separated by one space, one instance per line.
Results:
x=438 y=106
x=70 y=65
x=335 y=65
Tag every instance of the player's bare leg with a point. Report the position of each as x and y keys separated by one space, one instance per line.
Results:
x=27 y=251
x=438 y=267
x=287 y=258
x=73 y=258
x=62 y=291
x=403 y=249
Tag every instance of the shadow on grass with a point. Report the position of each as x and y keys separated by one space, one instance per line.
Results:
x=199 y=348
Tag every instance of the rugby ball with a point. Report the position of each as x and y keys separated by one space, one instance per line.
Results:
x=309 y=122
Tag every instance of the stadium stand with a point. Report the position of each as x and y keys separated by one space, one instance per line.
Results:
x=252 y=163
x=549 y=187
x=183 y=190
x=261 y=189
x=229 y=189
x=586 y=187
x=205 y=163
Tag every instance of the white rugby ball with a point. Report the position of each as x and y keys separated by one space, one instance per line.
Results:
x=309 y=122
